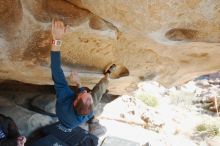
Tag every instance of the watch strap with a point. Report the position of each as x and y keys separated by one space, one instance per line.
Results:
x=57 y=42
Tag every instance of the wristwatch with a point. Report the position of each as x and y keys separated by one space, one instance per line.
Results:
x=57 y=42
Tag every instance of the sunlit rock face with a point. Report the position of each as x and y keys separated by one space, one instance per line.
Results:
x=168 y=41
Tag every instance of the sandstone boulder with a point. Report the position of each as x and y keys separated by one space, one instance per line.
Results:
x=168 y=41
x=27 y=121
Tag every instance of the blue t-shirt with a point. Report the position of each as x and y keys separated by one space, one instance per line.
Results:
x=65 y=111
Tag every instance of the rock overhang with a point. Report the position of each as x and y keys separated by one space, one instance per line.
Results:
x=170 y=42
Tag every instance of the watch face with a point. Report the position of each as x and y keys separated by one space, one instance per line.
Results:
x=58 y=42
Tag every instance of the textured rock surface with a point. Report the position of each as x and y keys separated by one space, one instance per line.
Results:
x=171 y=42
x=27 y=121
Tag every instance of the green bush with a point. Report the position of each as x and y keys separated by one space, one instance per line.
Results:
x=149 y=100
x=210 y=129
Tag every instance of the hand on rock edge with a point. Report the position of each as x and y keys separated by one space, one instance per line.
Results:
x=74 y=77
x=58 y=29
